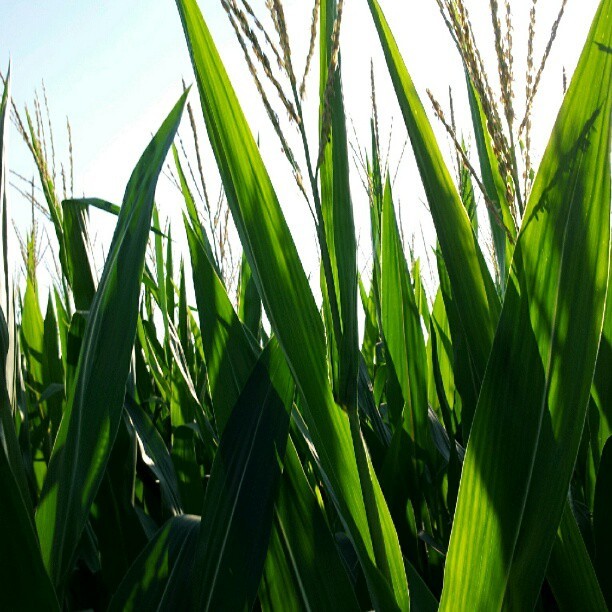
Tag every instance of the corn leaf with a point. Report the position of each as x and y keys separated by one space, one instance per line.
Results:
x=533 y=401
x=303 y=569
x=79 y=255
x=401 y=323
x=570 y=572
x=337 y=213
x=159 y=578
x=286 y=295
x=228 y=353
x=249 y=304
x=472 y=286
x=95 y=401
x=494 y=186
x=24 y=582
x=601 y=521
x=155 y=454
x=244 y=479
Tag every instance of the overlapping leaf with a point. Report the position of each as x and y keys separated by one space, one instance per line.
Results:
x=533 y=400
x=95 y=400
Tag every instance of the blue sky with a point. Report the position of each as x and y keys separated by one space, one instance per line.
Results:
x=115 y=72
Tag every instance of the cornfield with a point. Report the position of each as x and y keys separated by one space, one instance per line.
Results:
x=251 y=450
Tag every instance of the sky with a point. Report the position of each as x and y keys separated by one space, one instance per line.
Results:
x=114 y=68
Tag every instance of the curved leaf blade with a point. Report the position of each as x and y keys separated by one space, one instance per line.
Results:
x=95 y=401
x=533 y=401
x=288 y=300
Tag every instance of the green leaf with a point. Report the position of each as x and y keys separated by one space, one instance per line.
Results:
x=287 y=298
x=601 y=522
x=570 y=572
x=5 y=288
x=339 y=243
x=229 y=355
x=249 y=304
x=421 y=598
x=401 y=323
x=53 y=372
x=159 y=578
x=472 y=286
x=32 y=338
x=119 y=534
x=533 y=400
x=100 y=204
x=79 y=254
x=155 y=454
x=494 y=186
x=95 y=401
x=187 y=469
x=238 y=507
x=303 y=569
x=24 y=582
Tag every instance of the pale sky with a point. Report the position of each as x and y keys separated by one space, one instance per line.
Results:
x=116 y=72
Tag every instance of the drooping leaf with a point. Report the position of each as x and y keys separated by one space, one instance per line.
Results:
x=78 y=254
x=155 y=454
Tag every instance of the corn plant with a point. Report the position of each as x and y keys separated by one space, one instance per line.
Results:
x=250 y=450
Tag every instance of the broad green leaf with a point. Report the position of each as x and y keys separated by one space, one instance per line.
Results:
x=601 y=522
x=249 y=304
x=79 y=254
x=303 y=568
x=420 y=295
x=159 y=578
x=187 y=469
x=533 y=401
x=370 y=328
x=286 y=295
x=472 y=286
x=406 y=357
x=119 y=534
x=401 y=324
x=466 y=193
x=53 y=372
x=192 y=213
x=228 y=353
x=570 y=572
x=599 y=420
x=339 y=244
x=421 y=598
x=95 y=401
x=24 y=582
x=160 y=274
x=32 y=338
x=239 y=502
x=5 y=288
